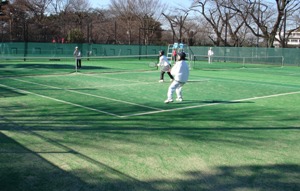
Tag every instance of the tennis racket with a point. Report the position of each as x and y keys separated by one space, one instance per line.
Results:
x=153 y=65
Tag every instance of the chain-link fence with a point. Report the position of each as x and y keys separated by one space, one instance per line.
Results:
x=291 y=56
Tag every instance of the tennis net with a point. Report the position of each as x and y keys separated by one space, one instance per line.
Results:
x=228 y=62
x=14 y=66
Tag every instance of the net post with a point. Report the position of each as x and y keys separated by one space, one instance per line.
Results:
x=75 y=65
x=193 y=59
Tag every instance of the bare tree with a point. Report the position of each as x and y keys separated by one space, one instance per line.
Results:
x=149 y=13
x=138 y=16
x=269 y=19
x=239 y=17
x=177 y=22
x=290 y=22
x=59 y=6
x=223 y=20
x=122 y=9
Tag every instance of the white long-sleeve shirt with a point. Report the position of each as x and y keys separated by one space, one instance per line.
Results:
x=164 y=63
x=77 y=54
x=180 y=71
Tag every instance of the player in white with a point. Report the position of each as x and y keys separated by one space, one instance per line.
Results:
x=210 y=54
x=181 y=72
x=77 y=55
x=164 y=65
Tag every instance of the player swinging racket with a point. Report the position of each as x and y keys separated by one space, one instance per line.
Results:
x=164 y=65
x=181 y=72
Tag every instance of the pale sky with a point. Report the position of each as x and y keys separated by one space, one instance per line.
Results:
x=104 y=3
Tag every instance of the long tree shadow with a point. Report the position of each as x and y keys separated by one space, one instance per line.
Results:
x=34 y=69
x=277 y=177
x=6 y=92
x=57 y=66
x=23 y=169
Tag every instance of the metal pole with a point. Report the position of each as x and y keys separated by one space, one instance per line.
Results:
x=115 y=32
x=284 y=30
x=258 y=20
x=2 y=27
x=140 y=48
x=226 y=18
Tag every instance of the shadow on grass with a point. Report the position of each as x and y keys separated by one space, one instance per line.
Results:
x=58 y=66
x=23 y=169
x=6 y=92
x=33 y=69
x=190 y=101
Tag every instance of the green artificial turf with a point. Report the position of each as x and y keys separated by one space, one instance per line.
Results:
x=237 y=129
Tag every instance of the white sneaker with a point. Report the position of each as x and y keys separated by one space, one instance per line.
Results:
x=161 y=81
x=179 y=99
x=171 y=80
x=168 y=101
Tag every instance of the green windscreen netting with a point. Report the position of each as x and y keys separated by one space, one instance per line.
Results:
x=35 y=58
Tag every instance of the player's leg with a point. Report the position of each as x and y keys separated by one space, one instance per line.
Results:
x=79 y=63
x=162 y=73
x=170 y=75
x=179 y=92
x=174 y=85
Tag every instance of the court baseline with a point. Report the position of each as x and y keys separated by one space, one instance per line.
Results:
x=211 y=104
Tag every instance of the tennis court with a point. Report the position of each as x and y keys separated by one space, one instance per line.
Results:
x=106 y=127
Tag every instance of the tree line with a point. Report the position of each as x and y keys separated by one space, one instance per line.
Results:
x=207 y=22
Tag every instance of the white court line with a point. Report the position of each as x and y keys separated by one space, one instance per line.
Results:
x=144 y=113
x=58 y=100
x=132 y=83
x=293 y=74
x=152 y=112
x=92 y=95
x=115 y=79
x=122 y=85
x=210 y=104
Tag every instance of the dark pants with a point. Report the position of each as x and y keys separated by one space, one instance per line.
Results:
x=78 y=63
x=162 y=73
x=174 y=58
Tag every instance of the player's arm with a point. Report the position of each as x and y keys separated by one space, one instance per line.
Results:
x=161 y=62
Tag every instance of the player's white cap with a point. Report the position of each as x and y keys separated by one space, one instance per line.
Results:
x=76 y=47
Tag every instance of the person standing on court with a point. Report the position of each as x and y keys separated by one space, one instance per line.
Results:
x=174 y=54
x=181 y=72
x=164 y=65
x=77 y=55
x=210 y=54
